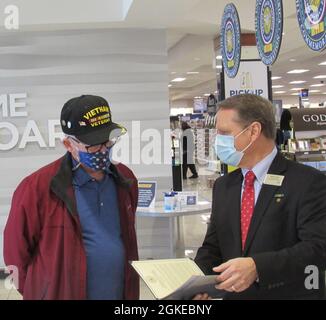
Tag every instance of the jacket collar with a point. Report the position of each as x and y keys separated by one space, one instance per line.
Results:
x=61 y=184
x=278 y=166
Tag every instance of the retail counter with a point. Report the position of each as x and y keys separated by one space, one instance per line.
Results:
x=160 y=233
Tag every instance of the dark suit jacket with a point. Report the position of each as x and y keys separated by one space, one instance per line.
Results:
x=287 y=232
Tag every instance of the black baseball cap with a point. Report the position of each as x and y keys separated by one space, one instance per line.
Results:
x=89 y=119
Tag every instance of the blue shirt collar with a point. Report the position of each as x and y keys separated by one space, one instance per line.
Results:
x=261 y=168
x=81 y=177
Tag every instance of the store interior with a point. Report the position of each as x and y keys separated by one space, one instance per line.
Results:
x=195 y=69
x=162 y=66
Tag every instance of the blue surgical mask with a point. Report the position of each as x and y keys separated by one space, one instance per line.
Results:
x=96 y=161
x=226 y=151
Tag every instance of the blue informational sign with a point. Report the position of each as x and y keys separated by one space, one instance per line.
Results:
x=146 y=194
x=269 y=29
x=312 y=22
x=304 y=93
x=231 y=40
x=197 y=116
x=191 y=200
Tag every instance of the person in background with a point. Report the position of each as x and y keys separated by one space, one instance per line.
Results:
x=267 y=231
x=279 y=140
x=188 y=149
x=70 y=230
x=285 y=126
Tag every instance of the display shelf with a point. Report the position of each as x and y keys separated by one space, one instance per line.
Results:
x=315 y=152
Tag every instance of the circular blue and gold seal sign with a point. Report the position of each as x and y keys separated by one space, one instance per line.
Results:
x=230 y=40
x=269 y=29
x=312 y=22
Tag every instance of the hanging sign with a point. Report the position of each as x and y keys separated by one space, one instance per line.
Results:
x=269 y=29
x=252 y=78
x=231 y=40
x=313 y=119
x=312 y=22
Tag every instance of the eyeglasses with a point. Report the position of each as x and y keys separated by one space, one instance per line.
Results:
x=97 y=147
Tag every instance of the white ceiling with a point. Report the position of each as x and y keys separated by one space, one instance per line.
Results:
x=41 y=13
x=192 y=26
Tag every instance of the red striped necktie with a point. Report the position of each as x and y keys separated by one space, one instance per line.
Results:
x=247 y=205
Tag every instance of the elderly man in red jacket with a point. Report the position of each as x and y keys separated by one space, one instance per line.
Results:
x=70 y=231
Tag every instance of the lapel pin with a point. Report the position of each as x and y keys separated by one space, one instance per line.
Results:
x=279 y=195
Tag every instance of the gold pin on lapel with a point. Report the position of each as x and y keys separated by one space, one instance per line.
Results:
x=279 y=197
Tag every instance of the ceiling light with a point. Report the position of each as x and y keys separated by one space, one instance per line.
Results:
x=170 y=85
x=294 y=94
x=219 y=67
x=197 y=97
x=296 y=89
x=277 y=86
x=278 y=92
x=219 y=58
x=276 y=78
x=207 y=94
x=297 y=71
x=298 y=82
x=320 y=77
x=293 y=60
x=178 y=80
x=314 y=91
x=323 y=63
x=317 y=85
x=192 y=72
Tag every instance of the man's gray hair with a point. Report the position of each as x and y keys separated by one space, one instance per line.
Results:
x=251 y=108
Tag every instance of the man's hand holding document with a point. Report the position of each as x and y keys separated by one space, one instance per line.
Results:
x=176 y=279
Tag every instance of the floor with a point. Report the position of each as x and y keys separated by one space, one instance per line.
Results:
x=194 y=231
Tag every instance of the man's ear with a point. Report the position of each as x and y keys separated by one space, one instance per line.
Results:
x=67 y=144
x=256 y=130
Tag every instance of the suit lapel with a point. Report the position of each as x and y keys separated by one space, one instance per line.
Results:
x=233 y=208
x=266 y=194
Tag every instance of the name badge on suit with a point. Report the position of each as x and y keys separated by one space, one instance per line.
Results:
x=274 y=180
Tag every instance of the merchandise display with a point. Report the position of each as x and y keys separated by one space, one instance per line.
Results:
x=309 y=151
x=204 y=135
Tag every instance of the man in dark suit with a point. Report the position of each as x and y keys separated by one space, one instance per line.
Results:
x=267 y=234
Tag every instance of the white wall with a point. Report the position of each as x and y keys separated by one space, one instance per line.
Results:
x=128 y=67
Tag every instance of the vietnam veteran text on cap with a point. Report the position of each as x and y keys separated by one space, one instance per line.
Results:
x=89 y=119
